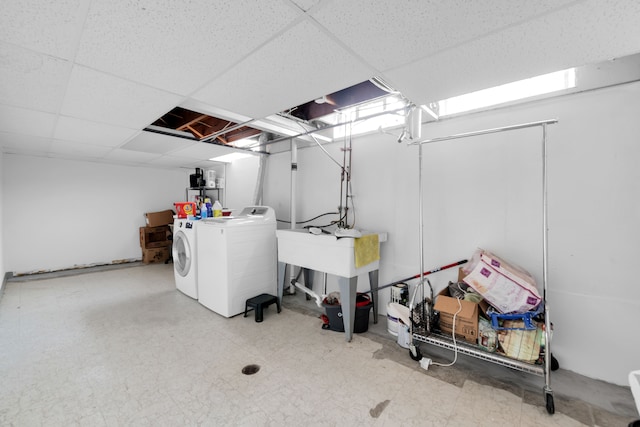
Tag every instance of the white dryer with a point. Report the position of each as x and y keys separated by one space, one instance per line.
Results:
x=237 y=259
x=185 y=260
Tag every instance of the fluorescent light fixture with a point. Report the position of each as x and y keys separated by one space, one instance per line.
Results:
x=229 y=158
x=527 y=88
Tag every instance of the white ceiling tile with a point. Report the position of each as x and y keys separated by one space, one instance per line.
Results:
x=284 y=73
x=103 y=98
x=394 y=33
x=306 y=4
x=130 y=157
x=151 y=142
x=570 y=37
x=28 y=122
x=203 y=151
x=79 y=149
x=21 y=143
x=177 y=46
x=79 y=130
x=51 y=27
x=32 y=80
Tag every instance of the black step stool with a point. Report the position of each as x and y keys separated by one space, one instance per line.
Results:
x=259 y=303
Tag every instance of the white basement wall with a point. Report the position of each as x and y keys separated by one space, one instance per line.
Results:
x=2 y=251
x=241 y=180
x=487 y=192
x=60 y=214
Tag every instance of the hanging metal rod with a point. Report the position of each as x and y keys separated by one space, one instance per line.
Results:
x=485 y=131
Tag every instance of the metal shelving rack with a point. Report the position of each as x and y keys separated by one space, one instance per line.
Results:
x=424 y=334
x=202 y=193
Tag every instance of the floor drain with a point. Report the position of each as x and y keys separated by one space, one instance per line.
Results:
x=250 y=369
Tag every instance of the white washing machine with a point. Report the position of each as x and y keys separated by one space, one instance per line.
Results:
x=185 y=260
x=237 y=259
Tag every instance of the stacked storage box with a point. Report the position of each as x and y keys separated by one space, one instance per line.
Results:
x=155 y=238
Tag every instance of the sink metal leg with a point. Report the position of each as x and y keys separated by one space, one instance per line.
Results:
x=308 y=280
x=282 y=271
x=348 y=288
x=373 y=282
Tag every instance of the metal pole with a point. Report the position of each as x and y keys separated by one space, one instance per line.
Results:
x=292 y=207
x=421 y=222
x=545 y=232
x=485 y=131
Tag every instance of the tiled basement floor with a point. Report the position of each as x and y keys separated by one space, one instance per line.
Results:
x=123 y=347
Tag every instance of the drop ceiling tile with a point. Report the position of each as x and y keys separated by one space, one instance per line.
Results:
x=28 y=122
x=79 y=150
x=395 y=33
x=150 y=142
x=177 y=46
x=32 y=80
x=84 y=131
x=203 y=151
x=306 y=4
x=51 y=27
x=584 y=33
x=21 y=143
x=284 y=73
x=99 y=97
x=131 y=157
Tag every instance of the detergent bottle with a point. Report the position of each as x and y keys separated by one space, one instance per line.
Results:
x=217 y=209
x=207 y=203
x=203 y=211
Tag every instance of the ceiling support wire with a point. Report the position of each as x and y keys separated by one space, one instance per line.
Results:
x=543 y=124
x=323 y=149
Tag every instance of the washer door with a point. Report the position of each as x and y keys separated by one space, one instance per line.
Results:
x=181 y=253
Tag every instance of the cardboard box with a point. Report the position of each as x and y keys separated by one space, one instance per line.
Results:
x=508 y=288
x=156 y=219
x=156 y=255
x=466 y=319
x=155 y=237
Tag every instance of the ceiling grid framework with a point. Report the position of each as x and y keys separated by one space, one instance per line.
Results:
x=82 y=79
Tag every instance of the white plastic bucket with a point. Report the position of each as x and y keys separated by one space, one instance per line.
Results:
x=392 y=319
x=404 y=337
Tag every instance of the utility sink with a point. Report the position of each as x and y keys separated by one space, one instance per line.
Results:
x=332 y=255
x=322 y=252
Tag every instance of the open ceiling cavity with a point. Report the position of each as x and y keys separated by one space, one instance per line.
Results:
x=204 y=127
x=185 y=123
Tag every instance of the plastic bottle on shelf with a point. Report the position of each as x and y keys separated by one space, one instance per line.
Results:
x=217 y=209
x=203 y=211
x=209 y=209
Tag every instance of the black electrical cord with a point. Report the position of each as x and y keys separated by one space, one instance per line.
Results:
x=309 y=220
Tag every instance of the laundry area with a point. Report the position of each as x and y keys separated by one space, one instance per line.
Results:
x=412 y=213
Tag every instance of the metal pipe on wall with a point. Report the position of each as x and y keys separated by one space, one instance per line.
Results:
x=292 y=201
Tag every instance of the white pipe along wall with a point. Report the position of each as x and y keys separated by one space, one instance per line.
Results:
x=486 y=192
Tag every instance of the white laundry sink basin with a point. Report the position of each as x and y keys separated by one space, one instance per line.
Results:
x=322 y=252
